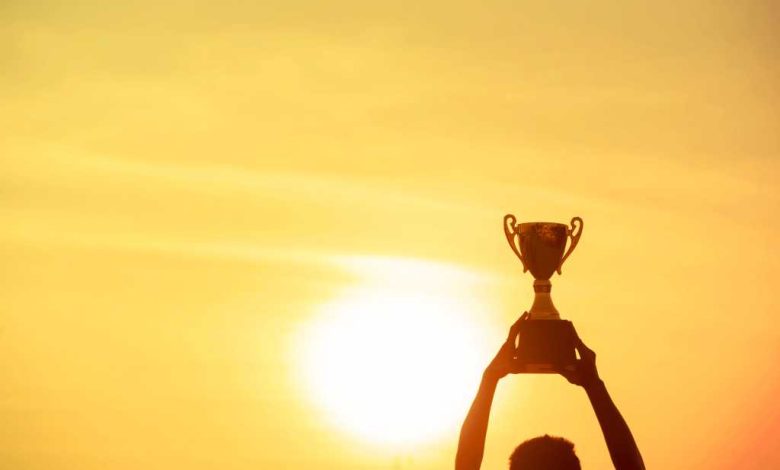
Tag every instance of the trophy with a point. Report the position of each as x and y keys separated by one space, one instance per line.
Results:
x=546 y=342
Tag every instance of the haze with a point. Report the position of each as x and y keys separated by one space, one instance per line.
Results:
x=184 y=186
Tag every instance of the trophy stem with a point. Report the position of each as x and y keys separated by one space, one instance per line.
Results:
x=543 y=308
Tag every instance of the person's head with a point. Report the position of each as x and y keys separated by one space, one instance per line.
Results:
x=544 y=453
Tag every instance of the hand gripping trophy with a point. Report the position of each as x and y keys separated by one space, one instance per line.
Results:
x=546 y=341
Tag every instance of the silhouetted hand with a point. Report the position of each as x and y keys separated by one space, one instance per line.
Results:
x=504 y=362
x=585 y=372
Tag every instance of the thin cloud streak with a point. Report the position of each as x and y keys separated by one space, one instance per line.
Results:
x=226 y=179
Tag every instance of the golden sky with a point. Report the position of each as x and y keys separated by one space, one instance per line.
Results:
x=183 y=187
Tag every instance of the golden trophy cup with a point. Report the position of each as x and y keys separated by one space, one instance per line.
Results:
x=546 y=342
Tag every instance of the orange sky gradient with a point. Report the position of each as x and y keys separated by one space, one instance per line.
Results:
x=183 y=187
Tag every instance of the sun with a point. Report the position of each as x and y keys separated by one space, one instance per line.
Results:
x=396 y=363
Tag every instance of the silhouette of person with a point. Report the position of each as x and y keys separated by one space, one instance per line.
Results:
x=546 y=452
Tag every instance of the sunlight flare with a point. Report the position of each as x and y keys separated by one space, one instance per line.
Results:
x=396 y=363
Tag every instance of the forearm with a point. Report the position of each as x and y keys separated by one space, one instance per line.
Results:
x=620 y=442
x=471 y=445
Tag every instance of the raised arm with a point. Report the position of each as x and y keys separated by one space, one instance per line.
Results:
x=620 y=442
x=471 y=445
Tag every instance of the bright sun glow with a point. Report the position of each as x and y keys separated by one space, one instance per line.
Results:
x=397 y=359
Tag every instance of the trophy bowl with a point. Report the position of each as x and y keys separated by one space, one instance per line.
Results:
x=541 y=247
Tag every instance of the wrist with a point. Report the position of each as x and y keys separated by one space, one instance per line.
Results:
x=490 y=376
x=593 y=385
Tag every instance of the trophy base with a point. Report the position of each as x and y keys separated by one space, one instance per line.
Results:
x=546 y=346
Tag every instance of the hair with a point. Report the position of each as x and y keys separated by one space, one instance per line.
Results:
x=544 y=453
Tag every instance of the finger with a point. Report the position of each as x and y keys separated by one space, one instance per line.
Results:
x=585 y=352
x=580 y=345
x=516 y=324
x=514 y=329
x=586 y=348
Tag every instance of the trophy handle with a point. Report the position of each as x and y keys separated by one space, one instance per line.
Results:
x=510 y=230
x=574 y=239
